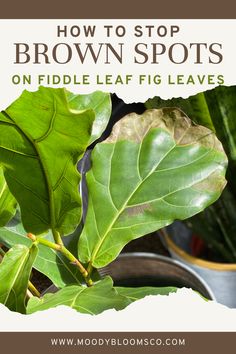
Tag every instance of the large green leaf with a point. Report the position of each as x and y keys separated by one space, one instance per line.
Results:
x=15 y=270
x=215 y=109
x=49 y=262
x=43 y=134
x=94 y=300
x=134 y=294
x=7 y=202
x=153 y=169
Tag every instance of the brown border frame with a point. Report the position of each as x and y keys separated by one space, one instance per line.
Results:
x=118 y=9
x=195 y=343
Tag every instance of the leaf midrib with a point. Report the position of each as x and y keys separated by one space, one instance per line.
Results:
x=100 y=243
x=95 y=252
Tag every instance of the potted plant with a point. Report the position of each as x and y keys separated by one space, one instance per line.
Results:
x=152 y=169
x=207 y=242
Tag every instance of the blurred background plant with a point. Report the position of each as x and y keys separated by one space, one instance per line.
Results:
x=216 y=226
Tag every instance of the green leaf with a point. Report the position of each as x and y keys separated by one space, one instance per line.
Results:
x=7 y=202
x=153 y=169
x=43 y=135
x=214 y=109
x=134 y=294
x=15 y=271
x=221 y=104
x=100 y=103
x=94 y=300
x=49 y=262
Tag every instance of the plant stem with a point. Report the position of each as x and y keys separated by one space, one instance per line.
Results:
x=62 y=249
x=57 y=237
x=33 y=289
x=44 y=242
x=90 y=268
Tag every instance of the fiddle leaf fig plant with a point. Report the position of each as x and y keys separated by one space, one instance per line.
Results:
x=152 y=169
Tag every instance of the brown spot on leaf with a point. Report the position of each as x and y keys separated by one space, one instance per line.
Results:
x=138 y=209
x=215 y=182
x=134 y=127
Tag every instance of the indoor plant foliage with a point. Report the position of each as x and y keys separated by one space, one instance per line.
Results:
x=216 y=110
x=207 y=241
x=152 y=169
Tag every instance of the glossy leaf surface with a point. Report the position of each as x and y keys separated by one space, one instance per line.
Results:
x=7 y=202
x=43 y=134
x=94 y=300
x=216 y=109
x=15 y=270
x=153 y=169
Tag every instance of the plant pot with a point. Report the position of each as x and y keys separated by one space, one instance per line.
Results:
x=147 y=269
x=221 y=277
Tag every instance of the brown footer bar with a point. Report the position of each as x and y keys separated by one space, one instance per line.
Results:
x=104 y=342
